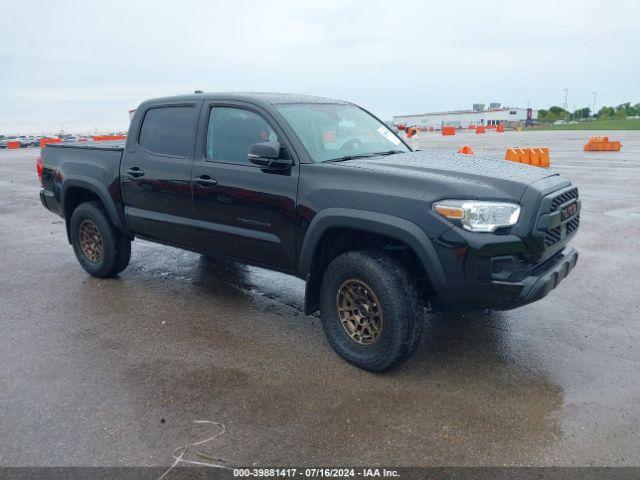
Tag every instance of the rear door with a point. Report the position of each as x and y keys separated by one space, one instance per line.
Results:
x=242 y=210
x=156 y=174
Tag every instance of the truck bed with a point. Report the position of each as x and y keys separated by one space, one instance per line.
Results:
x=92 y=166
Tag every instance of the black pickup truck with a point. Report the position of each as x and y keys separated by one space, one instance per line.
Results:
x=323 y=190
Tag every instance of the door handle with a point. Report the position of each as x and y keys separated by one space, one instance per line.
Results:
x=135 y=172
x=205 y=181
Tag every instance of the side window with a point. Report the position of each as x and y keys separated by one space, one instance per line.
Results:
x=168 y=130
x=231 y=131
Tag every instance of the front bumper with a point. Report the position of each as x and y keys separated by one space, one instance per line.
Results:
x=497 y=272
x=545 y=278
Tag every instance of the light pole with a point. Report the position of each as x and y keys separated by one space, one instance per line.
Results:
x=593 y=112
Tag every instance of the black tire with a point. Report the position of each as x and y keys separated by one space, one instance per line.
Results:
x=124 y=255
x=114 y=250
x=398 y=299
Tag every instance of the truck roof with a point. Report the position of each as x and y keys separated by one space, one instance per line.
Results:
x=264 y=97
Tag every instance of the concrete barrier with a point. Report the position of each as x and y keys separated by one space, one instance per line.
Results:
x=13 y=144
x=45 y=141
x=537 y=157
x=448 y=131
x=480 y=129
x=602 y=144
x=108 y=138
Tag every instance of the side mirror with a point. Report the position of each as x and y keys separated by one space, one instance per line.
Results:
x=267 y=155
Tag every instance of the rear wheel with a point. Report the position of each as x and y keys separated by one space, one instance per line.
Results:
x=371 y=309
x=99 y=247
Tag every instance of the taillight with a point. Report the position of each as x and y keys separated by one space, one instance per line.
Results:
x=39 y=167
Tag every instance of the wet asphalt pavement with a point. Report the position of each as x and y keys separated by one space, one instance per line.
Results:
x=113 y=372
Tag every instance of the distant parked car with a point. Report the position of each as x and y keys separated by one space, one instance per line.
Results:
x=27 y=141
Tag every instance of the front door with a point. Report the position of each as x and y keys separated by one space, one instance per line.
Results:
x=156 y=175
x=242 y=210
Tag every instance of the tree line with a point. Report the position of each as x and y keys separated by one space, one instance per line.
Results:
x=623 y=110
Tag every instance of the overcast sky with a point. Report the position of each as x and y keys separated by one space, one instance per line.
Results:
x=85 y=64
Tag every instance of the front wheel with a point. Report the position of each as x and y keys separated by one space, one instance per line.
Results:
x=371 y=309
x=99 y=247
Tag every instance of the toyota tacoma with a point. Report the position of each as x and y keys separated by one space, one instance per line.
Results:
x=323 y=190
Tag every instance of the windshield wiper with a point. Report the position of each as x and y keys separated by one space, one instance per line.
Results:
x=364 y=155
x=351 y=157
x=388 y=152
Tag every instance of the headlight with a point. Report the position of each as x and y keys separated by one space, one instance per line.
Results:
x=478 y=216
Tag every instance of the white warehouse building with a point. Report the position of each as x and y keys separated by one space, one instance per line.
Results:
x=511 y=117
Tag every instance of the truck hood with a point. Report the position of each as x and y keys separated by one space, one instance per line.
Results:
x=464 y=172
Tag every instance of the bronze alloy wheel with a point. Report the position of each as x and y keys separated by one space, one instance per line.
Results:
x=90 y=241
x=359 y=311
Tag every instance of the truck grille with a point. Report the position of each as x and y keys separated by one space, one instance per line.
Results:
x=564 y=198
x=554 y=235
x=573 y=224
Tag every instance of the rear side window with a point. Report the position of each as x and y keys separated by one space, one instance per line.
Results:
x=168 y=130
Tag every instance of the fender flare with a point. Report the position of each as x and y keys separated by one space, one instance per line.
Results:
x=101 y=191
x=388 y=225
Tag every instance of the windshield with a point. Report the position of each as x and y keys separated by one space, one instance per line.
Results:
x=335 y=131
